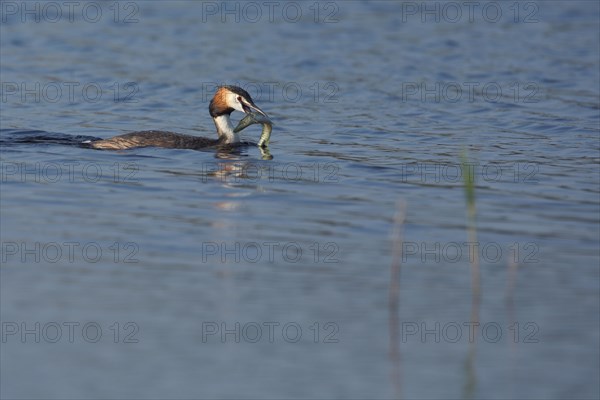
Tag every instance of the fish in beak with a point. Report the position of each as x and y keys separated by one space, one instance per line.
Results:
x=257 y=118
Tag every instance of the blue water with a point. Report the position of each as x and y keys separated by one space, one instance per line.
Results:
x=161 y=273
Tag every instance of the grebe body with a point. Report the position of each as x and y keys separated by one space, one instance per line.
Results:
x=170 y=140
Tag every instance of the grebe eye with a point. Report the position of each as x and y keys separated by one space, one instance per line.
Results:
x=239 y=99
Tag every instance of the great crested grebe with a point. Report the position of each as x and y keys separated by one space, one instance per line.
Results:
x=226 y=100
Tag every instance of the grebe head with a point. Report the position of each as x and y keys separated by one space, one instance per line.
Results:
x=226 y=100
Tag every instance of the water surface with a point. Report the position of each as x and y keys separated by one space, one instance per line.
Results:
x=372 y=107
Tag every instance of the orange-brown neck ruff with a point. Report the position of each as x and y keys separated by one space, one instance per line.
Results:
x=218 y=105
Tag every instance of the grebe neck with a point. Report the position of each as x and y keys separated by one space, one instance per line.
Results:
x=225 y=129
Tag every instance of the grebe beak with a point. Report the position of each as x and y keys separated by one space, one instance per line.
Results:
x=250 y=107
